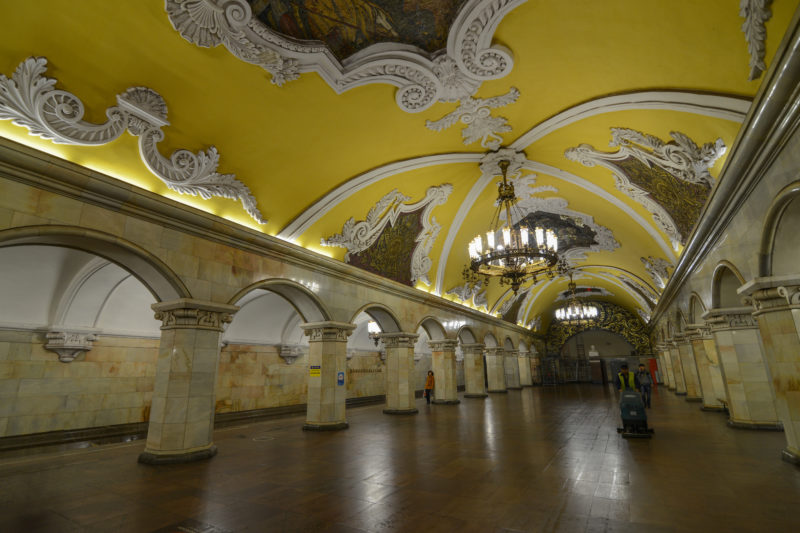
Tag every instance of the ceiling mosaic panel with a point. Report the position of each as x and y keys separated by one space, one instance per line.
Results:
x=611 y=318
x=347 y=26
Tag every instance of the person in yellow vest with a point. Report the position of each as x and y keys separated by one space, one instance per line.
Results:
x=627 y=380
x=429 y=384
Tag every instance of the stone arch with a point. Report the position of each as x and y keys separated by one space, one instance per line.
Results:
x=680 y=321
x=508 y=344
x=696 y=308
x=466 y=335
x=523 y=348
x=433 y=328
x=490 y=341
x=381 y=314
x=724 y=282
x=779 y=237
x=154 y=274
x=305 y=302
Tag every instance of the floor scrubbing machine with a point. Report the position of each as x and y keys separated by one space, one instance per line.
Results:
x=634 y=418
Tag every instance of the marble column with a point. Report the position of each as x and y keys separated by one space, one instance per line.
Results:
x=695 y=334
x=400 y=399
x=525 y=379
x=677 y=367
x=536 y=370
x=511 y=369
x=694 y=392
x=669 y=375
x=715 y=368
x=327 y=375
x=751 y=401
x=777 y=309
x=182 y=410
x=443 y=362
x=473 y=371
x=495 y=371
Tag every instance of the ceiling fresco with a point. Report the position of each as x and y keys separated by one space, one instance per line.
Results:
x=368 y=130
x=347 y=26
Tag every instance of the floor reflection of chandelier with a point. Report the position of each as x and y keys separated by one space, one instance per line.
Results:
x=512 y=254
x=575 y=312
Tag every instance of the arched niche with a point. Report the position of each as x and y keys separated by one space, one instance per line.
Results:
x=780 y=239
x=265 y=318
x=381 y=315
x=153 y=273
x=54 y=287
x=523 y=348
x=607 y=343
x=696 y=309
x=725 y=282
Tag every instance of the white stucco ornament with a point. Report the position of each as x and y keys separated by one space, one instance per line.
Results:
x=755 y=13
x=69 y=344
x=29 y=99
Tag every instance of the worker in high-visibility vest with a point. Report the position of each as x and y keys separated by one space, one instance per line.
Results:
x=626 y=379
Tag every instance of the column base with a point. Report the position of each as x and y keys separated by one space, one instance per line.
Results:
x=411 y=411
x=476 y=395
x=325 y=427
x=150 y=458
x=499 y=391
x=713 y=408
x=680 y=393
x=671 y=388
x=790 y=456
x=531 y=385
x=694 y=399
x=756 y=425
x=446 y=402
x=514 y=388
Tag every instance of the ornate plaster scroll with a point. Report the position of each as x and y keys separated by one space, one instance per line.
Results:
x=536 y=323
x=69 y=344
x=645 y=290
x=31 y=100
x=290 y=352
x=658 y=269
x=680 y=158
x=755 y=14
x=476 y=293
x=358 y=236
x=421 y=78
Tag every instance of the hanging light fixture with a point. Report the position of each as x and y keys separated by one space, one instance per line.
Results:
x=574 y=312
x=512 y=254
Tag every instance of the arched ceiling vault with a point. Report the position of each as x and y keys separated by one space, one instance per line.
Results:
x=380 y=126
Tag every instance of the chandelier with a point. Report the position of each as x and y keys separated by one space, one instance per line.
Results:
x=514 y=255
x=575 y=312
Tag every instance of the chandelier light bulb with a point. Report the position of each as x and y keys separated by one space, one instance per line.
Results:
x=490 y=240
x=523 y=235
x=552 y=242
x=507 y=236
x=539 y=237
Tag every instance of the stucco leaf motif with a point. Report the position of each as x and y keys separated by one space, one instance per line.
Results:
x=467 y=292
x=358 y=236
x=31 y=100
x=658 y=269
x=477 y=115
x=755 y=14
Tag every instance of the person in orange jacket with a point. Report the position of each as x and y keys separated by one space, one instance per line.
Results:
x=429 y=382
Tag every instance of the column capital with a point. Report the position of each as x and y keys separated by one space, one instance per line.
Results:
x=777 y=293
x=443 y=345
x=472 y=349
x=327 y=331
x=511 y=353
x=730 y=318
x=187 y=313
x=399 y=339
x=493 y=350
x=698 y=331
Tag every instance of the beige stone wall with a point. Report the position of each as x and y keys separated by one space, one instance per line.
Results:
x=111 y=384
x=366 y=375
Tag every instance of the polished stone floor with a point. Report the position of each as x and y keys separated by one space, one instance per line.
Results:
x=541 y=459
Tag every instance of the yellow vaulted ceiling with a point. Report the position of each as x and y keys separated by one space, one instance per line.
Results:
x=293 y=145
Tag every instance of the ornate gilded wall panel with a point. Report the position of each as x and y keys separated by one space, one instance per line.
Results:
x=611 y=318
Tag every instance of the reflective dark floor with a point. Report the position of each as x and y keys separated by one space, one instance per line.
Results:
x=541 y=459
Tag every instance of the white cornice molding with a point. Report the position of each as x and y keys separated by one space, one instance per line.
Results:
x=681 y=157
x=358 y=236
x=31 y=100
x=755 y=13
x=418 y=75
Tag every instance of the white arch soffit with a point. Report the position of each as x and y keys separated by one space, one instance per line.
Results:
x=94 y=265
x=710 y=105
x=110 y=293
x=541 y=168
x=321 y=207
